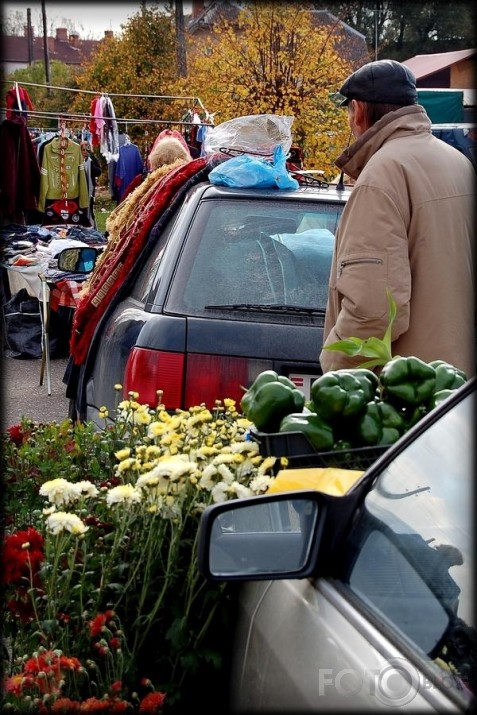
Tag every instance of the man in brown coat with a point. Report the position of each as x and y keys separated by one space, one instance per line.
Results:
x=408 y=227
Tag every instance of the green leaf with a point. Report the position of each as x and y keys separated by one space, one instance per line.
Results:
x=350 y=346
x=377 y=348
x=392 y=317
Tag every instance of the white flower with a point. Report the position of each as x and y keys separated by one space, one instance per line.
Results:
x=240 y=490
x=250 y=447
x=62 y=521
x=261 y=483
x=60 y=492
x=225 y=473
x=172 y=468
x=87 y=488
x=219 y=492
x=124 y=493
x=207 y=480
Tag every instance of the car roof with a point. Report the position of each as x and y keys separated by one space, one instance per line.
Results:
x=303 y=192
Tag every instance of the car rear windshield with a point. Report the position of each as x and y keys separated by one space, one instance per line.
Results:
x=256 y=253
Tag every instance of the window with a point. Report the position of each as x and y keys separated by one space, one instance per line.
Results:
x=259 y=252
x=412 y=548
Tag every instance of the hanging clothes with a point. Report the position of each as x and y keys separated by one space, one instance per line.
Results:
x=129 y=165
x=19 y=172
x=94 y=109
x=64 y=194
x=18 y=100
x=109 y=135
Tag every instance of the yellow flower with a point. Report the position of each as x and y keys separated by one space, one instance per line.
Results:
x=122 y=454
x=126 y=464
x=267 y=464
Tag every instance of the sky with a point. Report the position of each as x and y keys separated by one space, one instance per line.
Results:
x=90 y=19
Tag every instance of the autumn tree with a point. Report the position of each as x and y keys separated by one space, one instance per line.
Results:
x=274 y=59
x=139 y=62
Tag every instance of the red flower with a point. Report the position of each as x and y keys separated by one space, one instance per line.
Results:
x=65 y=705
x=21 y=551
x=116 y=687
x=13 y=685
x=152 y=702
x=94 y=705
x=17 y=435
x=21 y=604
x=99 y=621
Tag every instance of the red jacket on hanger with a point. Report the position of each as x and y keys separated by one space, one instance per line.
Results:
x=13 y=95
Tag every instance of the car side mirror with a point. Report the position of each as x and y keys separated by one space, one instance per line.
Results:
x=261 y=538
x=81 y=259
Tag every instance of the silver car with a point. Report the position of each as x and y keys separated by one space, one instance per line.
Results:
x=363 y=601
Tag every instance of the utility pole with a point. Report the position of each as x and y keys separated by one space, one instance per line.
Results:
x=180 y=40
x=45 y=48
x=376 y=30
x=29 y=36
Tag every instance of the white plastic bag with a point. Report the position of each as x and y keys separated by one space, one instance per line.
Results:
x=254 y=134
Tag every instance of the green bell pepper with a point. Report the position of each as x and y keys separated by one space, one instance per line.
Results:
x=380 y=424
x=448 y=377
x=269 y=399
x=407 y=381
x=319 y=432
x=341 y=393
x=439 y=397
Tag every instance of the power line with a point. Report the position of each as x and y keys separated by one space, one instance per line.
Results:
x=196 y=100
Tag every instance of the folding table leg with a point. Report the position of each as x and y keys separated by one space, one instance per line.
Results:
x=45 y=338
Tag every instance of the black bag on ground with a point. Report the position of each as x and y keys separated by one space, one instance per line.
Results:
x=23 y=326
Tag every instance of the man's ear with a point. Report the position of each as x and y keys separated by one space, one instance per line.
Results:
x=360 y=115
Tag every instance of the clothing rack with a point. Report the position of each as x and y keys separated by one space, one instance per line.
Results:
x=71 y=117
x=195 y=100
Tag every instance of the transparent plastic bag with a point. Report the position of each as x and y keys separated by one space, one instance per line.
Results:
x=254 y=134
x=247 y=171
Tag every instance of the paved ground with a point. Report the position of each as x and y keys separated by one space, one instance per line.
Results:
x=22 y=394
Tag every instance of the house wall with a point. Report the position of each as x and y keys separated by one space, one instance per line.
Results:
x=463 y=75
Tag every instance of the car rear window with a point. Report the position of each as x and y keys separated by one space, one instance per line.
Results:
x=256 y=252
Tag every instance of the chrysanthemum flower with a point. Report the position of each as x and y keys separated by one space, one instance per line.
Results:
x=123 y=494
x=62 y=521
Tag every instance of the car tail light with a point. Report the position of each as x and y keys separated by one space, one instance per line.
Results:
x=214 y=377
x=150 y=370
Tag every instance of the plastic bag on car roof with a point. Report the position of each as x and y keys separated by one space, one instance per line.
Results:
x=248 y=171
x=254 y=134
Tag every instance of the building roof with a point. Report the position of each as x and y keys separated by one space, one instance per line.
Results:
x=71 y=51
x=425 y=65
x=204 y=16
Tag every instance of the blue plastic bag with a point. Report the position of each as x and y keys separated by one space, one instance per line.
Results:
x=247 y=171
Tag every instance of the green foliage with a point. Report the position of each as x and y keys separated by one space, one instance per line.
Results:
x=405 y=29
x=52 y=100
x=379 y=349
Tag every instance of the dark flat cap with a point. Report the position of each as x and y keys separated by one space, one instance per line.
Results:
x=383 y=81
